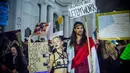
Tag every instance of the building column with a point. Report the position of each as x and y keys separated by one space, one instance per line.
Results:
x=11 y=16
x=18 y=18
x=43 y=13
x=50 y=32
x=66 y=27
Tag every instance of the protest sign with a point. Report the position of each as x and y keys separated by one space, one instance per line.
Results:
x=36 y=60
x=81 y=9
x=113 y=25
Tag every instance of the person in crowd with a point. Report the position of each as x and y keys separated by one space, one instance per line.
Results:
x=58 y=59
x=109 y=53
x=125 y=59
x=15 y=61
x=25 y=48
x=79 y=57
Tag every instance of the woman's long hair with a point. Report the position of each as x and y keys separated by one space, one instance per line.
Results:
x=73 y=36
x=110 y=49
x=19 y=53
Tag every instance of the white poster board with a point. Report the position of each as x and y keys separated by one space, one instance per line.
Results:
x=81 y=9
x=114 y=25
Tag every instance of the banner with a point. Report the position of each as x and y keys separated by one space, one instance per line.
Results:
x=113 y=25
x=83 y=8
x=37 y=58
x=3 y=13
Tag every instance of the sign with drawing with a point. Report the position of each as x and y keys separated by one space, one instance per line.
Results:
x=113 y=25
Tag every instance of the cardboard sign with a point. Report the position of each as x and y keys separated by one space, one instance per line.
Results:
x=36 y=60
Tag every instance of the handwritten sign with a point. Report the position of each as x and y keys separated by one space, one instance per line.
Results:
x=113 y=25
x=82 y=8
x=36 y=59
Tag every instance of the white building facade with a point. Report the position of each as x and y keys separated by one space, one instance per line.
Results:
x=25 y=14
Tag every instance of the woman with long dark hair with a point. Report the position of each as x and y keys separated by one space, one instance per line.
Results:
x=15 y=61
x=81 y=32
x=78 y=51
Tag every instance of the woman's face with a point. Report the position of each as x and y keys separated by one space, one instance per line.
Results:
x=57 y=43
x=79 y=29
x=13 y=51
